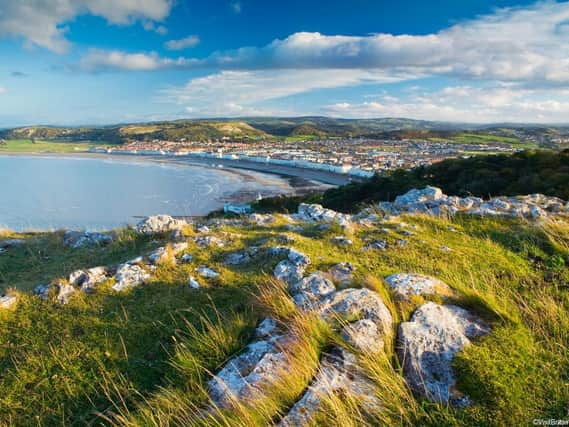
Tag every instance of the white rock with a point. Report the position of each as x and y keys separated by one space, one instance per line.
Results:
x=342 y=273
x=428 y=344
x=158 y=224
x=289 y=272
x=404 y=285
x=79 y=239
x=8 y=301
x=193 y=283
x=310 y=291
x=129 y=276
x=64 y=292
x=207 y=272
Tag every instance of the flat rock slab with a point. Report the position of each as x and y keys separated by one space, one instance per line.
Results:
x=405 y=285
x=79 y=239
x=427 y=346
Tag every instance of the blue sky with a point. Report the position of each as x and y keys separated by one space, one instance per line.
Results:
x=109 y=61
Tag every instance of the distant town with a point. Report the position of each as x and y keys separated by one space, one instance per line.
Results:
x=358 y=157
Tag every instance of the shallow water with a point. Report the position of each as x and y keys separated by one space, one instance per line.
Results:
x=44 y=193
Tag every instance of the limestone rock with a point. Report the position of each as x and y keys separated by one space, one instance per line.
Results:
x=289 y=272
x=428 y=344
x=310 y=291
x=342 y=240
x=42 y=291
x=129 y=276
x=207 y=241
x=193 y=283
x=158 y=224
x=88 y=279
x=64 y=292
x=351 y=304
x=317 y=213
x=261 y=219
x=207 y=272
x=379 y=245
x=8 y=301
x=242 y=257
x=364 y=335
x=342 y=273
x=338 y=375
x=79 y=239
x=405 y=285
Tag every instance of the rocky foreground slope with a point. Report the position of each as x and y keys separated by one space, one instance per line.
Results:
x=426 y=343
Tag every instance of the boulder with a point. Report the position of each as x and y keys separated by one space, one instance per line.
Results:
x=261 y=219
x=8 y=301
x=338 y=375
x=193 y=283
x=129 y=276
x=79 y=239
x=64 y=292
x=242 y=257
x=311 y=290
x=207 y=241
x=379 y=245
x=357 y=304
x=88 y=279
x=415 y=196
x=342 y=273
x=207 y=272
x=342 y=240
x=244 y=376
x=158 y=224
x=405 y=285
x=289 y=272
x=186 y=258
x=42 y=291
x=364 y=335
x=317 y=213
x=427 y=345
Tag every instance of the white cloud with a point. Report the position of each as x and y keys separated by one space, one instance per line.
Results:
x=100 y=60
x=152 y=26
x=40 y=22
x=186 y=42
x=2 y=90
x=515 y=44
x=466 y=104
x=238 y=92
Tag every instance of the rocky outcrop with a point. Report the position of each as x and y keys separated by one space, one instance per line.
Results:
x=342 y=273
x=262 y=220
x=242 y=257
x=159 y=224
x=129 y=276
x=432 y=200
x=79 y=239
x=88 y=279
x=258 y=366
x=207 y=241
x=164 y=253
x=317 y=213
x=405 y=285
x=338 y=375
x=428 y=344
x=290 y=270
x=310 y=291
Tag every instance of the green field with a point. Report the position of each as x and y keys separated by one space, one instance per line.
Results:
x=478 y=138
x=27 y=146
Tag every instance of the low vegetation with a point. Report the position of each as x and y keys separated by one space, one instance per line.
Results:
x=39 y=146
x=143 y=357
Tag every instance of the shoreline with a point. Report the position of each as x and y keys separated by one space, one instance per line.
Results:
x=297 y=184
x=321 y=177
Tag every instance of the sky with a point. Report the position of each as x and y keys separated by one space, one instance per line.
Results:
x=92 y=62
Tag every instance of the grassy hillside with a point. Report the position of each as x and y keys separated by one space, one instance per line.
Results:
x=143 y=357
x=300 y=128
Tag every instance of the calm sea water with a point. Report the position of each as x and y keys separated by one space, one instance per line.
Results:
x=42 y=193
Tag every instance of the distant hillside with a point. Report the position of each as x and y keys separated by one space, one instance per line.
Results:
x=268 y=128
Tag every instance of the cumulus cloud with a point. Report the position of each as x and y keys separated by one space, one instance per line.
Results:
x=181 y=44
x=41 y=22
x=238 y=92
x=467 y=104
x=514 y=44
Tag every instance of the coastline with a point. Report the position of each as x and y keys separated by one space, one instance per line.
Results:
x=296 y=182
